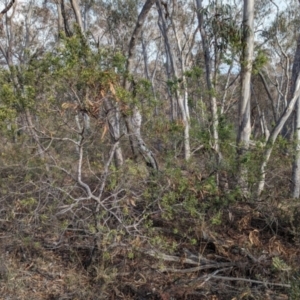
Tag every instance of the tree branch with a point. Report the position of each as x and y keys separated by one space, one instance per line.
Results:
x=7 y=8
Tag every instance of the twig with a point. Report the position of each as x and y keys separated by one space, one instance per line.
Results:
x=166 y=257
x=251 y=281
x=7 y=8
x=202 y=267
x=208 y=277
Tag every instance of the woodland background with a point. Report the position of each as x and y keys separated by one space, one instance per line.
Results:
x=149 y=149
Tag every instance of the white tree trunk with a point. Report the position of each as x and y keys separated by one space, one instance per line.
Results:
x=296 y=163
x=181 y=99
x=77 y=13
x=244 y=130
x=276 y=130
x=113 y=120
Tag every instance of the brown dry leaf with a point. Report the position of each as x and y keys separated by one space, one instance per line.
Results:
x=241 y=239
x=254 y=238
x=112 y=88
x=276 y=247
x=102 y=93
x=67 y=105
x=104 y=132
x=244 y=222
x=245 y=294
x=136 y=242
x=130 y=201
x=221 y=250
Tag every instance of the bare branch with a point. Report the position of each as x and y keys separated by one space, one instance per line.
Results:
x=199 y=268
x=251 y=281
x=7 y=8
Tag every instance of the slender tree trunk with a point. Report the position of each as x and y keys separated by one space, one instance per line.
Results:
x=222 y=109
x=113 y=120
x=273 y=136
x=32 y=132
x=65 y=19
x=60 y=19
x=147 y=73
x=210 y=86
x=169 y=70
x=7 y=8
x=182 y=101
x=262 y=77
x=244 y=130
x=296 y=163
x=77 y=13
x=286 y=85
x=133 y=119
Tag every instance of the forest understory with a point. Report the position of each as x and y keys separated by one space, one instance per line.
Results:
x=149 y=150
x=160 y=237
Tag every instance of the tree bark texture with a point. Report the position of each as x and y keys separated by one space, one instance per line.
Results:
x=113 y=120
x=296 y=163
x=65 y=19
x=244 y=130
x=77 y=13
x=7 y=8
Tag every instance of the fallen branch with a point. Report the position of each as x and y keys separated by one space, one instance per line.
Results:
x=202 y=264
x=251 y=281
x=166 y=257
x=199 y=268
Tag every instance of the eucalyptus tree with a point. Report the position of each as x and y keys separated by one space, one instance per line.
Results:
x=180 y=31
x=293 y=88
x=209 y=78
x=244 y=125
x=278 y=40
x=273 y=136
x=278 y=76
x=133 y=118
x=296 y=163
x=210 y=74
